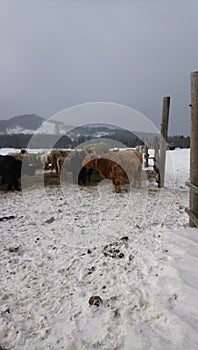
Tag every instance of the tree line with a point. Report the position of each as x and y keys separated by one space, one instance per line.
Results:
x=52 y=141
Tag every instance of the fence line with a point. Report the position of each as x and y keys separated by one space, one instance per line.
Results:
x=192 y=217
x=192 y=187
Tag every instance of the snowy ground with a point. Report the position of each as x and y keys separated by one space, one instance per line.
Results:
x=134 y=250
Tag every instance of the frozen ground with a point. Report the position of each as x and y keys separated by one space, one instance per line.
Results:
x=134 y=250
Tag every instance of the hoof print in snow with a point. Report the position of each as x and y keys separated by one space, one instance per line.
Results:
x=113 y=250
x=4 y=312
x=95 y=300
x=13 y=250
x=116 y=313
x=49 y=221
x=125 y=238
x=7 y=218
x=91 y=269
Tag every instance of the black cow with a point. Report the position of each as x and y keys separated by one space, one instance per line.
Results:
x=81 y=175
x=10 y=171
x=84 y=176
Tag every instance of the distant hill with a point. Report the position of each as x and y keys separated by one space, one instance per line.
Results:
x=32 y=124
x=21 y=124
x=17 y=132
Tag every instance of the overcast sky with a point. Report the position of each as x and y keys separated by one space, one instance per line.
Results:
x=58 y=53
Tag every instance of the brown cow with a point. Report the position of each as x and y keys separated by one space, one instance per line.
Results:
x=44 y=160
x=131 y=162
x=133 y=151
x=66 y=161
x=115 y=166
x=55 y=154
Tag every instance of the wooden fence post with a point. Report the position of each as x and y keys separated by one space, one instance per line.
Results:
x=156 y=159
x=194 y=150
x=156 y=149
x=163 y=139
x=146 y=156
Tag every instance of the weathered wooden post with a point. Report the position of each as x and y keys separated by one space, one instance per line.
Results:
x=146 y=156
x=163 y=139
x=193 y=184
x=156 y=149
x=156 y=159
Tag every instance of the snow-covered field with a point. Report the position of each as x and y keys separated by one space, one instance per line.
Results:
x=64 y=244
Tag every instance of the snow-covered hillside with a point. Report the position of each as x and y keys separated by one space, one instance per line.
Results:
x=134 y=250
x=31 y=124
x=45 y=128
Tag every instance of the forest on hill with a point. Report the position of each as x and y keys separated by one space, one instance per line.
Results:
x=65 y=141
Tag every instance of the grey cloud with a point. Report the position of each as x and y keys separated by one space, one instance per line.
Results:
x=56 y=54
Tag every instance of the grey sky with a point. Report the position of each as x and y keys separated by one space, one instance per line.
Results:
x=56 y=54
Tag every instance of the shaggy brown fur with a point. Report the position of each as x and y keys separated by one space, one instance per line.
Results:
x=115 y=166
x=55 y=154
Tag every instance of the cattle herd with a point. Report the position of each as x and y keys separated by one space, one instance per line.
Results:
x=81 y=163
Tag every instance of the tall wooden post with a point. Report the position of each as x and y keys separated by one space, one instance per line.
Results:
x=146 y=156
x=156 y=149
x=164 y=134
x=194 y=149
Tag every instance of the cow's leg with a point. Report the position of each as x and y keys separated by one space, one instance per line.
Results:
x=86 y=175
x=9 y=181
x=139 y=176
x=3 y=180
x=52 y=163
x=116 y=183
x=89 y=173
x=16 y=183
x=140 y=179
x=56 y=168
x=75 y=176
x=46 y=166
x=81 y=177
x=63 y=173
x=118 y=188
x=9 y=187
x=135 y=181
x=59 y=167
